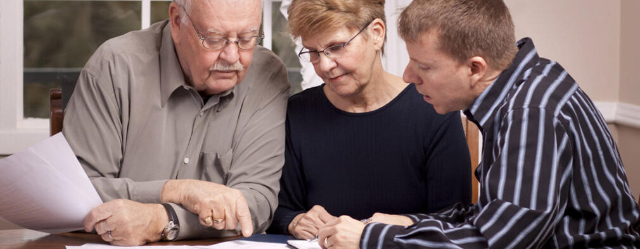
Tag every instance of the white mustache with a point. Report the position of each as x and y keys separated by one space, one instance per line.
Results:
x=227 y=67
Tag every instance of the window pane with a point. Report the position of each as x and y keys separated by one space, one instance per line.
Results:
x=159 y=10
x=60 y=36
x=284 y=47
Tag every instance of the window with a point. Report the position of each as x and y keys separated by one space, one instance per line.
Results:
x=45 y=44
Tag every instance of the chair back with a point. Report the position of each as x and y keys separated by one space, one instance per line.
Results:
x=56 y=114
x=472 y=133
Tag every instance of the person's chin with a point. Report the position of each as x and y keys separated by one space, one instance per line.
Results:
x=221 y=85
x=341 y=86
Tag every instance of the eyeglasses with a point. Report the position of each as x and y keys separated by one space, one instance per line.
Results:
x=217 y=43
x=332 y=52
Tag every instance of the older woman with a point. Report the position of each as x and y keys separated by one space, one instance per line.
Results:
x=365 y=141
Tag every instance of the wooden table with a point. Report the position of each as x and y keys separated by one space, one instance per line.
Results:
x=25 y=238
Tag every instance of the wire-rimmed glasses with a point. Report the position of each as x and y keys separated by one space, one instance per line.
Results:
x=331 y=52
x=217 y=43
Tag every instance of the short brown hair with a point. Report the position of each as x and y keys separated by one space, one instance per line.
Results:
x=311 y=17
x=466 y=28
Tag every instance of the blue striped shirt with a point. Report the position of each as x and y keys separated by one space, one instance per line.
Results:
x=550 y=177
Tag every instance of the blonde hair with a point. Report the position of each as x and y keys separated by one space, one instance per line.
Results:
x=466 y=28
x=310 y=17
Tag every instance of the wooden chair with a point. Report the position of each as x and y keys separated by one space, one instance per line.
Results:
x=56 y=113
x=472 y=134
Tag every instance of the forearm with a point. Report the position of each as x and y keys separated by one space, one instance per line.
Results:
x=124 y=188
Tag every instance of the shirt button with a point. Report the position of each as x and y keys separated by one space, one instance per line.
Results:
x=201 y=113
x=186 y=160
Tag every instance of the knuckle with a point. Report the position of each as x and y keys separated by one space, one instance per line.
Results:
x=119 y=202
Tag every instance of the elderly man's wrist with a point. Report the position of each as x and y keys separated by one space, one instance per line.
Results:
x=169 y=192
x=160 y=222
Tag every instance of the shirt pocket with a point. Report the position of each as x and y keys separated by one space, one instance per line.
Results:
x=217 y=165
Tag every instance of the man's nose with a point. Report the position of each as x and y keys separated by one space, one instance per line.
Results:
x=407 y=76
x=230 y=53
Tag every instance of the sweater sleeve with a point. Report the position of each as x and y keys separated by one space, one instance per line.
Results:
x=292 y=196
x=448 y=159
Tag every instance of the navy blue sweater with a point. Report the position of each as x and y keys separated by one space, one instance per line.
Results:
x=401 y=158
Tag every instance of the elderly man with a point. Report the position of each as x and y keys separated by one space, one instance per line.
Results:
x=181 y=126
x=551 y=175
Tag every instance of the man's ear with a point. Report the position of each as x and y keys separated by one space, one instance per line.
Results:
x=477 y=69
x=377 y=30
x=175 y=21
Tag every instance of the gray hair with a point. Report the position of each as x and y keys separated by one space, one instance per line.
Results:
x=186 y=4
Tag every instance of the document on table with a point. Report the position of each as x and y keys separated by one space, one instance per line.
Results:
x=304 y=244
x=44 y=188
x=234 y=244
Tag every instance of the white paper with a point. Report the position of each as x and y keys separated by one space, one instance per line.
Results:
x=304 y=244
x=234 y=244
x=243 y=244
x=44 y=188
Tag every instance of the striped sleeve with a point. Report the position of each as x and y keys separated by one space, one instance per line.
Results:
x=527 y=185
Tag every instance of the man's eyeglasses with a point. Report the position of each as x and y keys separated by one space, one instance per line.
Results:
x=332 y=52
x=217 y=43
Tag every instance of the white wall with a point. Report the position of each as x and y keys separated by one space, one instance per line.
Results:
x=582 y=35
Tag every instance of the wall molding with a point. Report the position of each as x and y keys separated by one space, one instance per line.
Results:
x=620 y=113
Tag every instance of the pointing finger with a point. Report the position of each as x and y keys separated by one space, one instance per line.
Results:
x=244 y=217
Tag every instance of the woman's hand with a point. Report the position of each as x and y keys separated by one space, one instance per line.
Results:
x=306 y=225
x=341 y=233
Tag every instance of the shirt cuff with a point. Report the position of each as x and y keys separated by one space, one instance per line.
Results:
x=379 y=235
x=190 y=227
x=148 y=192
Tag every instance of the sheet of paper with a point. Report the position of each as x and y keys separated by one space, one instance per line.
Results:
x=243 y=244
x=44 y=188
x=304 y=244
x=234 y=244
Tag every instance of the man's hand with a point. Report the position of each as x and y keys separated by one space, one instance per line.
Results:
x=343 y=232
x=216 y=205
x=127 y=223
x=306 y=225
x=399 y=220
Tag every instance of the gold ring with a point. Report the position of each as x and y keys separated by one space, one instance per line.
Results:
x=218 y=220
x=326 y=244
x=366 y=221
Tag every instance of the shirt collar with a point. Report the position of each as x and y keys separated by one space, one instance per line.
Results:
x=487 y=104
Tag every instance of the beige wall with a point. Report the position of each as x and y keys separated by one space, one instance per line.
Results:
x=630 y=90
x=630 y=56
x=598 y=42
x=582 y=35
